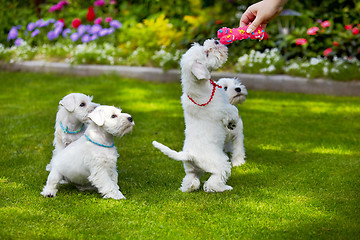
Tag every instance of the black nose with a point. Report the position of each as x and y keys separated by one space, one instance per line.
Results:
x=238 y=89
x=130 y=119
x=216 y=42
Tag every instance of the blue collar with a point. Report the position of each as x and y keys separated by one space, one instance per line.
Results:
x=99 y=144
x=65 y=130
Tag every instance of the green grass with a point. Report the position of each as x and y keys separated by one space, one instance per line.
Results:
x=301 y=179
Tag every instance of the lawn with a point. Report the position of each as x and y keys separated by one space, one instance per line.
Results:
x=301 y=179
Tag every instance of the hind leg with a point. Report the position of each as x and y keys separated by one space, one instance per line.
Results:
x=220 y=170
x=191 y=181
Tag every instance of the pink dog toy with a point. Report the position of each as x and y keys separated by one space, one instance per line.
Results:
x=228 y=35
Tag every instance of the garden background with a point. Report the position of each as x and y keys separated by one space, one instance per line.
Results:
x=311 y=39
x=301 y=179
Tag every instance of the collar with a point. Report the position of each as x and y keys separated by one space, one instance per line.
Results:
x=65 y=130
x=99 y=144
x=212 y=94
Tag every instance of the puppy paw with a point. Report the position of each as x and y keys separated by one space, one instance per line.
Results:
x=231 y=125
x=238 y=161
x=49 y=193
x=116 y=195
x=216 y=187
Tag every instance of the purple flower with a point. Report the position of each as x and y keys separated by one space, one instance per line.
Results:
x=59 y=24
x=74 y=36
x=95 y=29
x=35 y=32
x=93 y=37
x=66 y=32
x=81 y=29
x=13 y=33
x=85 y=38
x=57 y=31
x=115 y=24
x=18 y=41
x=103 y=32
x=51 y=35
x=51 y=20
x=111 y=30
x=99 y=3
x=31 y=26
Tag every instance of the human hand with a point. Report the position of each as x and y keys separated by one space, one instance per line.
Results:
x=261 y=13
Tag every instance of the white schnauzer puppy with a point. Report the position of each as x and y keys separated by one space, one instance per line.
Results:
x=234 y=143
x=71 y=120
x=208 y=114
x=91 y=160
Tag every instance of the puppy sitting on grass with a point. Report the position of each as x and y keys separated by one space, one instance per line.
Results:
x=208 y=114
x=234 y=143
x=91 y=160
x=71 y=120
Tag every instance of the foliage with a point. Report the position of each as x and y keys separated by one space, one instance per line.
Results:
x=297 y=181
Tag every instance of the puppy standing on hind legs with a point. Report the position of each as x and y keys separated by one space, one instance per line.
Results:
x=91 y=160
x=207 y=114
x=71 y=120
x=234 y=143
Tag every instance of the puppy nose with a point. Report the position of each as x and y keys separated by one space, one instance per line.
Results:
x=238 y=89
x=217 y=42
x=130 y=119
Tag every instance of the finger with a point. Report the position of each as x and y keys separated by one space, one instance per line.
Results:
x=254 y=25
x=247 y=17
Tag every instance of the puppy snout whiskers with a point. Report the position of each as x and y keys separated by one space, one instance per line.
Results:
x=238 y=89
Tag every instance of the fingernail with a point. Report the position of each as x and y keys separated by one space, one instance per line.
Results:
x=249 y=30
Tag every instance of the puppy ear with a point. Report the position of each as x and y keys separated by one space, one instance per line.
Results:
x=97 y=117
x=200 y=71
x=68 y=102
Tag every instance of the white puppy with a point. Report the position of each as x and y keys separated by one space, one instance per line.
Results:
x=234 y=143
x=208 y=114
x=91 y=160
x=71 y=120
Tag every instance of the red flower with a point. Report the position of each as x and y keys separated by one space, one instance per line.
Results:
x=312 y=30
x=76 y=22
x=355 y=31
x=325 y=24
x=218 y=22
x=348 y=27
x=90 y=16
x=335 y=43
x=300 y=41
x=327 y=51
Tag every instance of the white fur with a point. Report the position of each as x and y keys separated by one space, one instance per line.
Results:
x=88 y=165
x=73 y=113
x=206 y=126
x=234 y=143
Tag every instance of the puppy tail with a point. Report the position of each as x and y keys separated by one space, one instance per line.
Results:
x=178 y=156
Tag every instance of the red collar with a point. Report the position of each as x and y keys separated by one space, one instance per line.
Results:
x=211 y=97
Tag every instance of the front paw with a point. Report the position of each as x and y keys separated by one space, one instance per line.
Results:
x=49 y=193
x=115 y=195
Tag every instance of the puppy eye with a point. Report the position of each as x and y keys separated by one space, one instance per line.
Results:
x=113 y=116
x=82 y=105
x=225 y=88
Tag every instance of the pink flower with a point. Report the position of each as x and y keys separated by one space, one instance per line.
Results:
x=355 y=31
x=112 y=1
x=108 y=19
x=327 y=51
x=312 y=30
x=300 y=41
x=98 y=20
x=325 y=24
x=348 y=27
x=335 y=43
x=99 y=3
